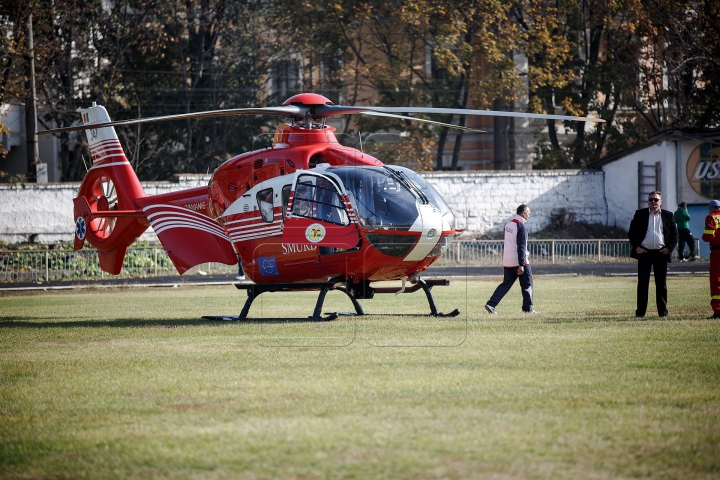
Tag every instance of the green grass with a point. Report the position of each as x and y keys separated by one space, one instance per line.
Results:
x=132 y=383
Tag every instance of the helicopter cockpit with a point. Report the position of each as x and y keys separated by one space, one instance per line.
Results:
x=403 y=215
x=385 y=197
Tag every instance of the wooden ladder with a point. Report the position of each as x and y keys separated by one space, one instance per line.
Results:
x=648 y=181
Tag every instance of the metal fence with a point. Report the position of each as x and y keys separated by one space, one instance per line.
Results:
x=61 y=264
x=489 y=252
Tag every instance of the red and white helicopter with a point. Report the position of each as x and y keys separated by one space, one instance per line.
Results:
x=303 y=214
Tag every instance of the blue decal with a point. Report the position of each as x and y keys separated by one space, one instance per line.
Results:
x=80 y=228
x=268 y=267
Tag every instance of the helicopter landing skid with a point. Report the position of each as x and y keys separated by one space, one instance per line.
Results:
x=426 y=286
x=255 y=290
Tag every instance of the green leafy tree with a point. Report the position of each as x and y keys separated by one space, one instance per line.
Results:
x=642 y=65
x=187 y=57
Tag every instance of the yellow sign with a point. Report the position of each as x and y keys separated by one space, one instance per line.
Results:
x=703 y=170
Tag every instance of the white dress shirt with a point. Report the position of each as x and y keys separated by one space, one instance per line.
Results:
x=654 y=236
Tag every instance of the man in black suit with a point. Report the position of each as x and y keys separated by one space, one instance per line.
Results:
x=653 y=236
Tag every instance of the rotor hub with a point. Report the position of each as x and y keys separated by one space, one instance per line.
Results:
x=308 y=99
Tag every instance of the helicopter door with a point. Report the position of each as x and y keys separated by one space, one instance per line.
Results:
x=318 y=213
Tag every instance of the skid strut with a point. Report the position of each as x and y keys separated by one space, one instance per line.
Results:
x=353 y=292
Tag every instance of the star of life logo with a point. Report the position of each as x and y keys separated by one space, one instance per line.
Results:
x=315 y=233
x=80 y=228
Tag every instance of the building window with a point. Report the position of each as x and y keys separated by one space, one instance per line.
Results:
x=285 y=79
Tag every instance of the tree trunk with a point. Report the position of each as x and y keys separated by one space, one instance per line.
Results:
x=441 y=144
x=463 y=121
x=579 y=143
x=449 y=119
x=498 y=144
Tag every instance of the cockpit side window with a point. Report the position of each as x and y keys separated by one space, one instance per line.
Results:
x=265 y=204
x=316 y=197
x=285 y=198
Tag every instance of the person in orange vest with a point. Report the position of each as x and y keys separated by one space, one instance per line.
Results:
x=711 y=234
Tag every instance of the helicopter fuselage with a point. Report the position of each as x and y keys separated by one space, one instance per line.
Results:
x=377 y=222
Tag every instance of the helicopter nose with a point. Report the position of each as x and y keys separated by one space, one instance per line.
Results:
x=430 y=223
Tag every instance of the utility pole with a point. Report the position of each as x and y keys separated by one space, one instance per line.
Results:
x=31 y=111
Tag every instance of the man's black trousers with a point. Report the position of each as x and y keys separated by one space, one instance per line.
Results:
x=509 y=277
x=652 y=259
x=685 y=237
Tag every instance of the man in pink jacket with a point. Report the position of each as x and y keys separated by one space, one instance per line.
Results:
x=515 y=263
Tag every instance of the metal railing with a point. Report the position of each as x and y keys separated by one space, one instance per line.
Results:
x=489 y=252
x=17 y=266
x=561 y=251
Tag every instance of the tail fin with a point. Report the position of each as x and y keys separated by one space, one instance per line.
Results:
x=110 y=185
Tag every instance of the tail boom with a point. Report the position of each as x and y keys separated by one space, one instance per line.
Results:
x=188 y=234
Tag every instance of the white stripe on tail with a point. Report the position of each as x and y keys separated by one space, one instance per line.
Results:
x=104 y=143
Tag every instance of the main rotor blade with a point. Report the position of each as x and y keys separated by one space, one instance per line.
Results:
x=288 y=111
x=324 y=111
x=449 y=125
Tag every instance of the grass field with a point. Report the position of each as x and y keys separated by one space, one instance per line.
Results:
x=128 y=383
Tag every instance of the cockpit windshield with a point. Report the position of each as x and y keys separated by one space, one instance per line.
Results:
x=381 y=199
x=432 y=195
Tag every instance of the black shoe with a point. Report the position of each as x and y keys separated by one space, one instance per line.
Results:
x=639 y=316
x=715 y=315
x=664 y=315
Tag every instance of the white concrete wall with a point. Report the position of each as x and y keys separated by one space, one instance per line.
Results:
x=482 y=202
x=44 y=210
x=44 y=213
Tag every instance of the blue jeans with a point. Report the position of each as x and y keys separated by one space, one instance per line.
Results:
x=526 y=284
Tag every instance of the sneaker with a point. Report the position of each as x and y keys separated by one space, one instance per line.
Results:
x=490 y=309
x=715 y=315
x=692 y=259
x=241 y=277
x=530 y=311
x=683 y=259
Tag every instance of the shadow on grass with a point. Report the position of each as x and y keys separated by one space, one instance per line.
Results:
x=612 y=318
x=24 y=322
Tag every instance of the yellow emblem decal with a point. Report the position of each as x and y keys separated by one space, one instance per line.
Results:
x=315 y=233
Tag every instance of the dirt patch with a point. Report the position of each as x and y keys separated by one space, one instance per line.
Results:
x=581 y=230
x=563 y=225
